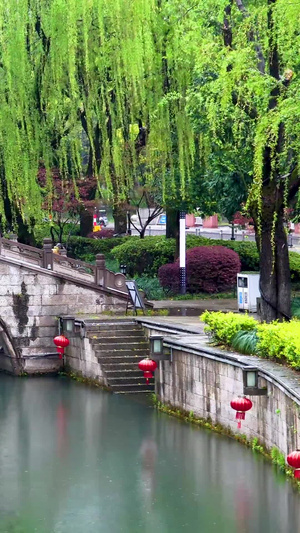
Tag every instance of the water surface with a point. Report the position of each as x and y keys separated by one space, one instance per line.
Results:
x=74 y=459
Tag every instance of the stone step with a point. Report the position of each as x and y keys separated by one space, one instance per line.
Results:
x=115 y=346
x=116 y=360
x=144 y=391
x=133 y=332
x=126 y=381
x=132 y=388
x=110 y=326
x=123 y=373
x=121 y=352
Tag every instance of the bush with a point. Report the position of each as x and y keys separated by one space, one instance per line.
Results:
x=280 y=341
x=247 y=251
x=145 y=256
x=208 y=268
x=224 y=326
x=86 y=249
x=151 y=287
x=295 y=266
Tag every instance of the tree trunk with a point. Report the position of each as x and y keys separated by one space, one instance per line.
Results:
x=275 y=285
x=86 y=223
x=120 y=219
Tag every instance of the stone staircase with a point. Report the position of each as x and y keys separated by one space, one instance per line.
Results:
x=119 y=345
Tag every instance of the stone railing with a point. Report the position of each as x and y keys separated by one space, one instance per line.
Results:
x=63 y=265
x=14 y=249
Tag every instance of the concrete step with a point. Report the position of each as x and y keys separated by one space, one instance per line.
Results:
x=146 y=391
x=121 y=352
x=119 y=371
x=116 y=360
x=132 y=388
x=110 y=326
x=104 y=346
x=128 y=381
x=115 y=334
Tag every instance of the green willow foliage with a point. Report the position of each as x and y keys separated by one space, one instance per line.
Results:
x=120 y=70
x=230 y=99
x=112 y=68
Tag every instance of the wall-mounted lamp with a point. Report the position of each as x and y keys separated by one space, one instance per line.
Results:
x=68 y=324
x=123 y=269
x=250 y=379
x=158 y=352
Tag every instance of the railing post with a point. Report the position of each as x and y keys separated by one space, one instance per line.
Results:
x=47 y=254
x=100 y=277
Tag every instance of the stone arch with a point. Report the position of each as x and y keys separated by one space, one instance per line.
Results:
x=10 y=359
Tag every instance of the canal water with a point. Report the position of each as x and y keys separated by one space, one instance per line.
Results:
x=74 y=459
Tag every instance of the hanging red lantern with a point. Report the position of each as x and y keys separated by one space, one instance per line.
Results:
x=293 y=459
x=241 y=405
x=147 y=366
x=61 y=342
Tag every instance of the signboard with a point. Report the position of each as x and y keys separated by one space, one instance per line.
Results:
x=134 y=295
x=162 y=219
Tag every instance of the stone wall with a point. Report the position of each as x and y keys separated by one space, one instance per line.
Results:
x=206 y=387
x=32 y=298
x=205 y=384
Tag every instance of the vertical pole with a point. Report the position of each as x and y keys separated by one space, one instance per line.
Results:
x=232 y=232
x=182 y=252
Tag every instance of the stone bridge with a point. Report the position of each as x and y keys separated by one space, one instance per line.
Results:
x=36 y=287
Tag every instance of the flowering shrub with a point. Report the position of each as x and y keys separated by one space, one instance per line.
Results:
x=209 y=269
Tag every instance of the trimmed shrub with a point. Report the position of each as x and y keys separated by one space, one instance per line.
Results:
x=86 y=249
x=224 y=326
x=280 y=341
x=295 y=266
x=151 y=287
x=209 y=269
x=145 y=256
x=247 y=251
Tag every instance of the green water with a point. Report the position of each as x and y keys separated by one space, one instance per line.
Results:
x=76 y=459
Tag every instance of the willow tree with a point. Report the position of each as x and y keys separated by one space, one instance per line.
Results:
x=113 y=68
x=246 y=95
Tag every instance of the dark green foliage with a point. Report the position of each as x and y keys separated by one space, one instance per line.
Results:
x=145 y=256
x=245 y=342
x=86 y=249
x=295 y=266
x=151 y=287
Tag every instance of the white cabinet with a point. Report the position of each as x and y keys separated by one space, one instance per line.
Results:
x=248 y=291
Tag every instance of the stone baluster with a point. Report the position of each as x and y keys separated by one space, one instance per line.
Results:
x=47 y=254
x=100 y=271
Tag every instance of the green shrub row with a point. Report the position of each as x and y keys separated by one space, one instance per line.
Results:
x=145 y=256
x=86 y=249
x=278 y=341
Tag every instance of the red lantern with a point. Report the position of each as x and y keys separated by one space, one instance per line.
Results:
x=148 y=366
x=241 y=405
x=293 y=459
x=61 y=342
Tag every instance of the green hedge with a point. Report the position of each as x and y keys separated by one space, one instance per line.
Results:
x=145 y=256
x=86 y=249
x=279 y=341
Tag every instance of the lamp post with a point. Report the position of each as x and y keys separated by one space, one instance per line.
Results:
x=182 y=252
x=123 y=269
x=232 y=232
